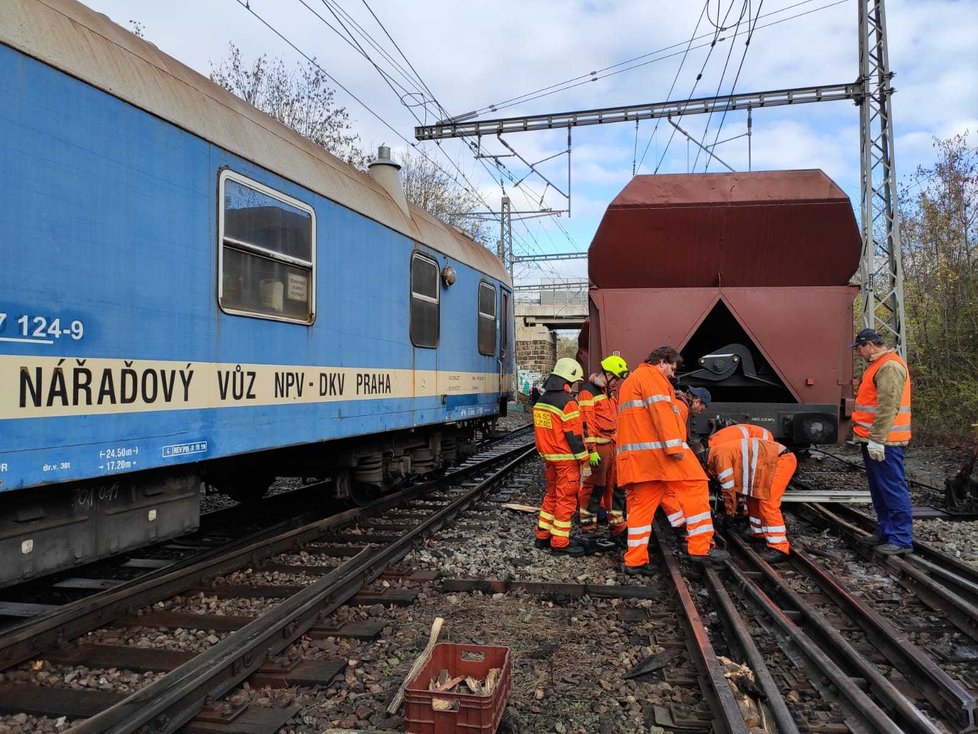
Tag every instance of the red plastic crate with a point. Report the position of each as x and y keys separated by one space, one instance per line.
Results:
x=470 y=713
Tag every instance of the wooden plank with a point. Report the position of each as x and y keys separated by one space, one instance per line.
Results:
x=368 y=629
x=55 y=702
x=23 y=609
x=138 y=659
x=312 y=673
x=254 y=720
x=88 y=584
x=148 y=563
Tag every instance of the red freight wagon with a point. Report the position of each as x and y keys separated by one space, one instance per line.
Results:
x=747 y=274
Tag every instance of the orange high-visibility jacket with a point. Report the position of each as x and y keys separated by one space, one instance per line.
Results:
x=599 y=412
x=651 y=444
x=557 y=424
x=867 y=400
x=737 y=432
x=745 y=467
x=683 y=416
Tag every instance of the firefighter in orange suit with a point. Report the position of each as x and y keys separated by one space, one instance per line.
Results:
x=760 y=471
x=693 y=402
x=737 y=432
x=652 y=458
x=560 y=441
x=598 y=398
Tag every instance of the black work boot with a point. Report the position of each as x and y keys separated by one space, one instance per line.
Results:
x=645 y=570
x=716 y=555
x=773 y=555
x=573 y=550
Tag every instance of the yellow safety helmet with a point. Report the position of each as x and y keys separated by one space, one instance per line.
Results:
x=615 y=365
x=569 y=369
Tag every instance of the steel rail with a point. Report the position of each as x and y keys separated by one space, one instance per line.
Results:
x=943 y=692
x=24 y=641
x=737 y=627
x=962 y=613
x=811 y=623
x=728 y=718
x=174 y=699
x=859 y=704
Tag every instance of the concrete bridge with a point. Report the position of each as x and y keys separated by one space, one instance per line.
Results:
x=540 y=311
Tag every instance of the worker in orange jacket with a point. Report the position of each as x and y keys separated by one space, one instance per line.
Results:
x=693 y=401
x=559 y=437
x=652 y=458
x=737 y=432
x=760 y=471
x=598 y=398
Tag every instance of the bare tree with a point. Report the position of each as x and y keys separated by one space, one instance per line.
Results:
x=939 y=212
x=300 y=98
x=429 y=187
x=303 y=100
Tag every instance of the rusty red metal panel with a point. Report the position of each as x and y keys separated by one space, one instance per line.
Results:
x=773 y=228
x=802 y=332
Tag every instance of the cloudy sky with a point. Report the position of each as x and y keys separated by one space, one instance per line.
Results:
x=471 y=56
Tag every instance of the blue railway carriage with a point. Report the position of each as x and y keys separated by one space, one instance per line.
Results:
x=190 y=292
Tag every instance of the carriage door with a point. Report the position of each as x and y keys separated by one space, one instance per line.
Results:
x=506 y=347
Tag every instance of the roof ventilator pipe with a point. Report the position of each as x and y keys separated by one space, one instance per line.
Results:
x=384 y=171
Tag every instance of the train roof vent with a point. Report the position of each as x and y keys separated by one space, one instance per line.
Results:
x=385 y=172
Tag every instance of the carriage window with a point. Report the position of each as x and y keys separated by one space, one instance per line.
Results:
x=267 y=252
x=424 y=301
x=487 y=319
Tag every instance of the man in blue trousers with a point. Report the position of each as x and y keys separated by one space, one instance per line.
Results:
x=881 y=423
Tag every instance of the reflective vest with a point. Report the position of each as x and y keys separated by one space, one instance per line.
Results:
x=739 y=431
x=746 y=466
x=864 y=412
x=557 y=427
x=651 y=431
x=599 y=412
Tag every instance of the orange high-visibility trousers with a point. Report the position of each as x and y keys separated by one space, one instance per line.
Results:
x=643 y=499
x=765 y=514
x=559 y=502
x=602 y=477
x=673 y=510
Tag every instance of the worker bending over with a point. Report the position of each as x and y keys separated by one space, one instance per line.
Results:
x=758 y=470
x=652 y=458
x=692 y=402
x=598 y=398
x=560 y=441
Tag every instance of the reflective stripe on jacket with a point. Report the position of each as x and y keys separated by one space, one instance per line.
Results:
x=739 y=431
x=557 y=424
x=745 y=467
x=599 y=412
x=867 y=403
x=651 y=434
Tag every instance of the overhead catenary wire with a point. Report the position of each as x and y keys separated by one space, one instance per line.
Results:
x=471 y=187
x=733 y=87
x=597 y=75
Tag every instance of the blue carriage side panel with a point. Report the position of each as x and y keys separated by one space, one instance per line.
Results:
x=116 y=242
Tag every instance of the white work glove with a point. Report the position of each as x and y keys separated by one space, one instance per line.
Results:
x=876 y=451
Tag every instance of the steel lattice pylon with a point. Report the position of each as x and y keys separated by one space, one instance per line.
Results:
x=882 y=263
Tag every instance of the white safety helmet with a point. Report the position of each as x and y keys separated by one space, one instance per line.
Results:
x=569 y=369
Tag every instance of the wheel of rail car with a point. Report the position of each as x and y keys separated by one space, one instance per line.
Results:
x=362 y=494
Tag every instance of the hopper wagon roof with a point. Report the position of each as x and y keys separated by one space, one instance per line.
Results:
x=757 y=229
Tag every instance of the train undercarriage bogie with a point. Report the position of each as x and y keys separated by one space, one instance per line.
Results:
x=51 y=528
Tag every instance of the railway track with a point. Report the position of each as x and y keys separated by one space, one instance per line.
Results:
x=338 y=609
